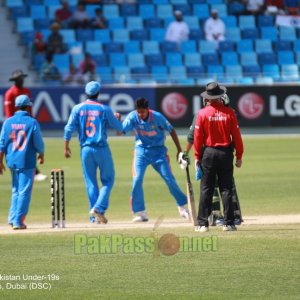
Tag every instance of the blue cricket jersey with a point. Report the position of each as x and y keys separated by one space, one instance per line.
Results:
x=21 y=140
x=91 y=120
x=149 y=133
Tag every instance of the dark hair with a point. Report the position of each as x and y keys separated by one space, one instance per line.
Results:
x=141 y=103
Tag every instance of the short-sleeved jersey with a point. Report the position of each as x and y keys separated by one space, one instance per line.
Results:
x=148 y=133
x=91 y=120
x=21 y=140
x=9 y=99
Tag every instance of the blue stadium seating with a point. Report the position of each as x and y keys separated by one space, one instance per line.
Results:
x=225 y=46
x=192 y=59
x=132 y=47
x=150 y=47
x=290 y=72
x=216 y=72
x=229 y=58
x=266 y=58
x=154 y=60
x=195 y=71
x=271 y=70
x=265 y=21
x=189 y=46
x=113 y=47
x=93 y=47
x=173 y=59
x=210 y=59
x=248 y=59
x=250 y=33
x=139 y=35
x=233 y=71
x=128 y=10
x=285 y=57
x=136 y=60
x=147 y=11
x=263 y=45
x=244 y=46
x=252 y=71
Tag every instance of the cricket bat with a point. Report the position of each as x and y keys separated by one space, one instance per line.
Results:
x=190 y=198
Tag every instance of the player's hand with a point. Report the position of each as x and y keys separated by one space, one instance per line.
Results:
x=41 y=159
x=118 y=116
x=68 y=152
x=183 y=160
x=2 y=168
x=238 y=163
x=199 y=172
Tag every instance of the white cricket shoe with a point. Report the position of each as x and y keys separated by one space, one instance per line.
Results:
x=99 y=216
x=201 y=228
x=40 y=177
x=229 y=228
x=140 y=217
x=184 y=212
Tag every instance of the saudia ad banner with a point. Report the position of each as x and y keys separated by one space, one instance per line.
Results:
x=255 y=106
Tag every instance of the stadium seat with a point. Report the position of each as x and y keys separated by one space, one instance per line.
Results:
x=167 y=47
x=111 y=11
x=285 y=57
x=102 y=35
x=13 y=3
x=51 y=11
x=233 y=72
x=139 y=35
x=113 y=47
x=296 y=45
x=264 y=80
x=201 y=11
x=128 y=10
x=266 y=58
x=134 y=23
x=271 y=70
x=157 y=34
x=250 y=33
x=263 y=45
x=221 y=8
x=229 y=59
x=184 y=8
x=282 y=45
x=105 y=74
x=269 y=33
x=147 y=11
x=37 y=12
x=93 y=47
x=195 y=71
x=150 y=47
x=68 y=35
x=287 y=33
x=210 y=59
x=192 y=59
x=216 y=72
x=207 y=47
x=204 y=81
x=153 y=23
x=192 y=22
x=164 y=11
x=245 y=80
x=154 y=60
x=85 y=35
x=233 y=34
x=186 y=81
x=24 y=24
x=41 y=23
x=121 y=73
x=290 y=72
x=159 y=73
x=18 y=12
x=244 y=46
x=188 y=47
x=236 y=8
x=265 y=21
x=225 y=46
x=230 y=21
x=252 y=71
x=117 y=60
x=248 y=58
x=246 y=22
x=196 y=34
x=136 y=60
x=27 y=37
x=132 y=47
x=177 y=73
x=120 y=35
x=140 y=72
x=100 y=59
x=116 y=23
x=37 y=61
x=62 y=62
x=76 y=59
x=173 y=59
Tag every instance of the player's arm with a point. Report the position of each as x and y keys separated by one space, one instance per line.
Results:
x=127 y=124
x=68 y=130
x=113 y=120
x=38 y=143
x=9 y=105
x=176 y=141
x=2 y=149
x=237 y=141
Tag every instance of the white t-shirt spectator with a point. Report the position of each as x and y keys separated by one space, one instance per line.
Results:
x=177 y=32
x=254 y=5
x=214 y=29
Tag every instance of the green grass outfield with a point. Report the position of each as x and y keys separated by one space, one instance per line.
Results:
x=257 y=262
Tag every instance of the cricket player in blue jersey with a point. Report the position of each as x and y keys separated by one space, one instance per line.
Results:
x=149 y=127
x=20 y=142
x=91 y=120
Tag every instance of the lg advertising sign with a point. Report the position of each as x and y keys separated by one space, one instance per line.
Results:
x=255 y=106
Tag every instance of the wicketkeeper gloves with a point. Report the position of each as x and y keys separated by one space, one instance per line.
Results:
x=183 y=160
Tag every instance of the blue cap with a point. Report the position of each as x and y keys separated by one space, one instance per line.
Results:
x=92 y=88
x=22 y=100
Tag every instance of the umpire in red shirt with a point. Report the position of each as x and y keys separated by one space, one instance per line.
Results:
x=216 y=130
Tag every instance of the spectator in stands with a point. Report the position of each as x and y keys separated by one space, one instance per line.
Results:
x=63 y=15
x=80 y=17
x=39 y=45
x=55 y=42
x=177 y=30
x=74 y=76
x=254 y=7
x=99 y=21
x=214 y=27
x=87 y=68
x=49 y=71
x=292 y=7
x=274 y=7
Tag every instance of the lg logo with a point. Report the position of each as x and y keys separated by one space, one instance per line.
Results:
x=174 y=106
x=251 y=106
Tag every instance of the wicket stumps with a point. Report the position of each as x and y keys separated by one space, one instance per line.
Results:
x=57 y=181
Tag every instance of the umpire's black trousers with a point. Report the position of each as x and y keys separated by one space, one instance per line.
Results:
x=216 y=161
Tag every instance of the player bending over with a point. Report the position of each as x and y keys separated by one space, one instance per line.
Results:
x=149 y=126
